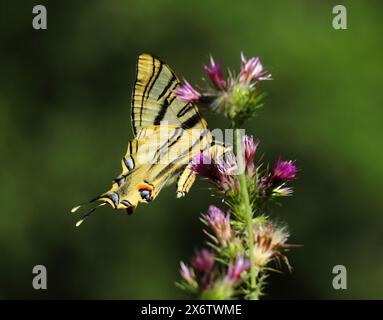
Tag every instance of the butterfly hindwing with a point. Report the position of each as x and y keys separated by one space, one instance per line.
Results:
x=185 y=181
x=140 y=180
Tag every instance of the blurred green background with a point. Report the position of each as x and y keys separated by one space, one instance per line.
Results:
x=65 y=123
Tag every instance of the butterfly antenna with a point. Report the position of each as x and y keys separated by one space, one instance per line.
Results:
x=88 y=214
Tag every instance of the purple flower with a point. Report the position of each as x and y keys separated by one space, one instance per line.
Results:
x=273 y=183
x=204 y=261
x=217 y=171
x=187 y=93
x=250 y=147
x=234 y=272
x=186 y=273
x=219 y=223
x=215 y=74
x=284 y=171
x=252 y=70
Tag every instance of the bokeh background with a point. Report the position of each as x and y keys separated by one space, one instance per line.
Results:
x=65 y=123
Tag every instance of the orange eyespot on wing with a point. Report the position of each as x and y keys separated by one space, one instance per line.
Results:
x=146 y=191
x=145 y=186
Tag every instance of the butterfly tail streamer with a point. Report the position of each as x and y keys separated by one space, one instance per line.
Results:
x=86 y=215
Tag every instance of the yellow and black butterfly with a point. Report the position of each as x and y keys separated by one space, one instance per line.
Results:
x=168 y=134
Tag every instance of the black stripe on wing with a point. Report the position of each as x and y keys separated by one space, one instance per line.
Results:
x=183 y=155
x=192 y=121
x=144 y=97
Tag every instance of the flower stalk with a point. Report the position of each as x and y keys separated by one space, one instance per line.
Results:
x=247 y=209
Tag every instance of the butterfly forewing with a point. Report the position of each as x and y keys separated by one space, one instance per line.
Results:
x=154 y=101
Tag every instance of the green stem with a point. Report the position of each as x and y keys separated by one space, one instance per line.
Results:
x=248 y=212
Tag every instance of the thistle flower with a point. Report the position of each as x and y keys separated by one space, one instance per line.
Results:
x=214 y=72
x=219 y=223
x=237 y=97
x=203 y=261
x=242 y=95
x=281 y=191
x=204 y=166
x=187 y=93
x=284 y=171
x=268 y=240
x=250 y=147
x=273 y=183
x=219 y=171
x=187 y=273
x=252 y=70
x=234 y=272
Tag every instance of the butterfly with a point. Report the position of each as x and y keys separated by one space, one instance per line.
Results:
x=168 y=134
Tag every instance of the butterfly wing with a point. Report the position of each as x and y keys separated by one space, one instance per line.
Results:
x=139 y=180
x=154 y=101
x=168 y=134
